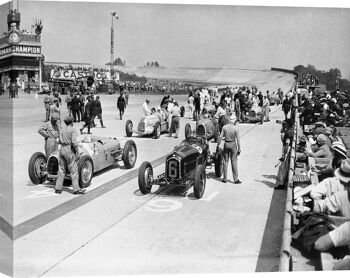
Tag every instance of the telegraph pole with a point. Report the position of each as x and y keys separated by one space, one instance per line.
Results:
x=114 y=15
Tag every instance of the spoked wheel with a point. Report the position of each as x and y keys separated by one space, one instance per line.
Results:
x=199 y=182
x=188 y=130
x=37 y=168
x=219 y=166
x=145 y=177
x=129 y=154
x=157 y=130
x=85 y=170
x=129 y=128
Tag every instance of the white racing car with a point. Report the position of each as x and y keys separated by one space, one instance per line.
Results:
x=96 y=154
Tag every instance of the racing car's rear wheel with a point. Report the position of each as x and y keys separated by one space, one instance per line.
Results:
x=199 y=182
x=156 y=133
x=128 y=128
x=129 y=154
x=182 y=110
x=85 y=170
x=145 y=177
x=188 y=130
x=36 y=168
x=219 y=165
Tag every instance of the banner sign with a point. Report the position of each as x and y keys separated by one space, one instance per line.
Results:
x=20 y=49
x=76 y=74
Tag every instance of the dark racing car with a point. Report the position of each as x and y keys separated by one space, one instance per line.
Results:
x=185 y=167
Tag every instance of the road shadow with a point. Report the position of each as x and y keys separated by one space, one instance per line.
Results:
x=273 y=177
x=268 y=183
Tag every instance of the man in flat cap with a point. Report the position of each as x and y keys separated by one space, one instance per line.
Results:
x=232 y=148
x=70 y=153
x=50 y=131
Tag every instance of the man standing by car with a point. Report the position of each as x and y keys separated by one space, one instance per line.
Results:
x=145 y=109
x=175 y=119
x=75 y=108
x=50 y=131
x=81 y=108
x=69 y=104
x=121 y=104
x=87 y=115
x=69 y=152
x=231 y=149
x=97 y=111
x=48 y=100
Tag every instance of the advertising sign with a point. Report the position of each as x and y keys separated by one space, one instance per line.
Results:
x=78 y=74
x=21 y=49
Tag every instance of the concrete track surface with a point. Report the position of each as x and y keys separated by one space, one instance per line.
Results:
x=114 y=229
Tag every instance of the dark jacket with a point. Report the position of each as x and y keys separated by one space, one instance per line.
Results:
x=88 y=112
x=96 y=107
x=75 y=103
x=121 y=102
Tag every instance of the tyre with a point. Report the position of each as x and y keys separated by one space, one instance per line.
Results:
x=199 y=182
x=216 y=132
x=85 y=171
x=129 y=128
x=219 y=165
x=156 y=132
x=188 y=130
x=145 y=177
x=37 y=167
x=129 y=154
x=182 y=109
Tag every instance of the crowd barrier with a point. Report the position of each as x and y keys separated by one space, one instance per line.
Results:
x=285 y=254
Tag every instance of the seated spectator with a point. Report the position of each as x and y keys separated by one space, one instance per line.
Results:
x=339 y=154
x=322 y=151
x=340 y=236
x=329 y=186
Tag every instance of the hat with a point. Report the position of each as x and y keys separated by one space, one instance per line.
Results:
x=339 y=147
x=321 y=139
x=328 y=131
x=55 y=116
x=68 y=120
x=343 y=172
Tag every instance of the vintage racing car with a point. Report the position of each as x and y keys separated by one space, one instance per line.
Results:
x=153 y=124
x=253 y=115
x=185 y=166
x=96 y=154
x=205 y=127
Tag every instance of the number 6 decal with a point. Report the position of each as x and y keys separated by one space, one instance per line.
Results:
x=173 y=169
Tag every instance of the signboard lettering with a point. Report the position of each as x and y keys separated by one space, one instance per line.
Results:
x=74 y=74
x=20 y=49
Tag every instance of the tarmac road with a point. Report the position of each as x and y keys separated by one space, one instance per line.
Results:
x=114 y=229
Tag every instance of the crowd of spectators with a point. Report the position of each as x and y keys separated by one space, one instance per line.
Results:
x=324 y=118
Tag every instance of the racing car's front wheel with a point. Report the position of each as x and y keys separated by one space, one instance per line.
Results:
x=199 y=182
x=85 y=170
x=128 y=128
x=145 y=177
x=129 y=154
x=219 y=165
x=156 y=134
x=37 y=168
x=188 y=130
x=182 y=111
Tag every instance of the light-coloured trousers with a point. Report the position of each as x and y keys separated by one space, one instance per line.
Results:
x=230 y=153
x=67 y=154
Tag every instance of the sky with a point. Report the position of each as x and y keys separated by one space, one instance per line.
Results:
x=248 y=37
